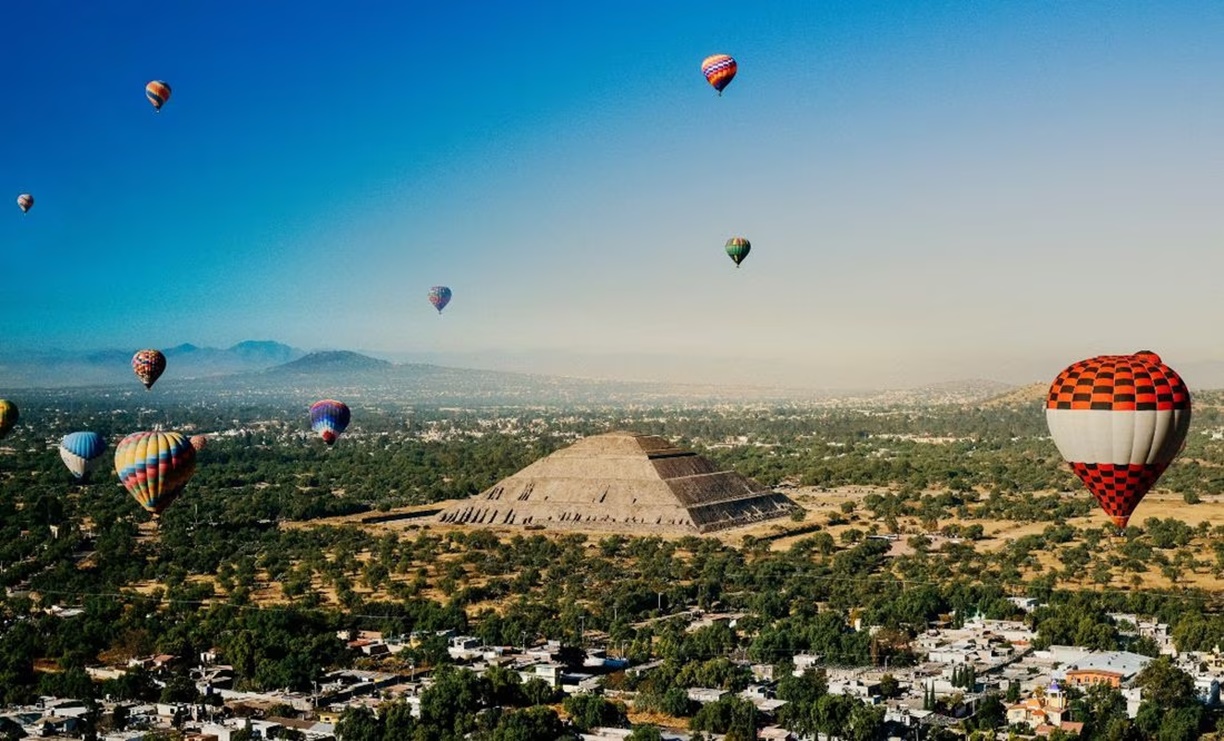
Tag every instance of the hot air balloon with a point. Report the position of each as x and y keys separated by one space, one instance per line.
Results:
x=158 y=93
x=154 y=467
x=8 y=416
x=25 y=202
x=719 y=71
x=1119 y=421
x=81 y=452
x=199 y=442
x=329 y=418
x=439 y=296
x=738 y=248
x=148 y=366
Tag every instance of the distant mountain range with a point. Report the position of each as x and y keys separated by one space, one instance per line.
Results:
x=53 y=368
x=272 y=370
x=268 y=369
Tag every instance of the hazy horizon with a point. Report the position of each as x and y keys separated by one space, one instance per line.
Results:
x=715 y=371
x=932 y=192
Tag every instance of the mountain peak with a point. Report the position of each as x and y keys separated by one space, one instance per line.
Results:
x=332 y=360
x=270 y=350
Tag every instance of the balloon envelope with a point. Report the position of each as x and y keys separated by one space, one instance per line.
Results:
x=329 y=418
x=148 y=365
x=199 y=442
x=8 y=416
x=439 y=296
x=81 y=452
x=158 y=93
x=1119 y=421
x=738 y=248
x=719 y=70
x=25 y=202
x=154 y=467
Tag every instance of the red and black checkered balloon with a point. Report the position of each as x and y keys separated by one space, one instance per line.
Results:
x=1119 y=420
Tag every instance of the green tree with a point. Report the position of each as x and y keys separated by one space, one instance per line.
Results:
x=833 y=714
x=991 y=713
x=1166 y=686
x=801 y=694
x=450 y=704
x=592 y=711
x=1170 y=709
x=179 y=688
x=358 y=723
x=538 y=692
x=532 y=724
x=676 y=703
x=889 y=686
x=866 y=722
x=398 y=722
x=732 y=715
x=506 y=686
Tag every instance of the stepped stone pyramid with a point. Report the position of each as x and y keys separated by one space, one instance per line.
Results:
x=623 y=482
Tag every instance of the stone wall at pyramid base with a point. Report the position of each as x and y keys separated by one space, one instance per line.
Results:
x=650 y=519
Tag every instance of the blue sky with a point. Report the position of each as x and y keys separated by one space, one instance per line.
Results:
x=933 y=190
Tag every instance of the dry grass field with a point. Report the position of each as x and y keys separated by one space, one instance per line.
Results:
x=820 y=505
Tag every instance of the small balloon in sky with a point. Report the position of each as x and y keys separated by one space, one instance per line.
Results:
x=158 y=93
x=148 y=365
x=439 y=296
x=737 y=249
x=719 y=71
x=25 y=202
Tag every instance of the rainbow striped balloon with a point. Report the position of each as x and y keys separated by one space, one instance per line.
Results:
x=154 y=467
x=719 y=70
